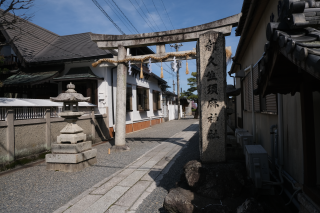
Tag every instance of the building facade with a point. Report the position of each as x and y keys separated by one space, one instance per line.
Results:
x=280 y=86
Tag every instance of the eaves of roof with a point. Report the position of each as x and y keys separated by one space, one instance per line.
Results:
x=23 y=78
x=249 y=22
x=78 y=73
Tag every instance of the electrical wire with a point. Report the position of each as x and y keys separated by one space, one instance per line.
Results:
x=125 y=16
x=117 y=15
x=141 y=15
x=154 y=28
x=167 y=14
x=159 y=15
x=106 y=14
x=293 y=196
x=98 y=5
x=151 y=16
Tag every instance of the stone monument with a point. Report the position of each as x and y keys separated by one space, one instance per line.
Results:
x=72 y=152
x=212 y=95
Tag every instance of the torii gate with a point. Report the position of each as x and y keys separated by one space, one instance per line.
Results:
x=211 y=69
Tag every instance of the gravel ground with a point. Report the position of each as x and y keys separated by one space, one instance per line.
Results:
x=154 y=202
x=35 y=189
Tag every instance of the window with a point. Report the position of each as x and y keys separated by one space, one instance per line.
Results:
x=269 y=104
x=266 y=104
x=156 y=100
x=142 y=99
x=129 y=98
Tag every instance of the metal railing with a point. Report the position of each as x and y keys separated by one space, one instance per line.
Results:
x=25 y=113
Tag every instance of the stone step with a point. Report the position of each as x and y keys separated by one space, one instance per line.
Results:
x=71 y=148
x=71 y=158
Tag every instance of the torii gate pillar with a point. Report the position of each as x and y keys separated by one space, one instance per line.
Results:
x=120 y=139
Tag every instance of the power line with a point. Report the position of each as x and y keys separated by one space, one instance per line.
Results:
x=159 y=15
x=117 y=15
x=125 y=16
x=151 y=15
x=98 y=5
x=141 y=16
x=146 y=22
x=110 y=19
x=167 y=14
x=155 y=28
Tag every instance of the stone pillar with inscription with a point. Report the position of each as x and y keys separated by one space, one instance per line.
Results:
x=211 y=63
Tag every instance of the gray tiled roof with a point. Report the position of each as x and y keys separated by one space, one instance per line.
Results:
x=28 y=38
x=71 y=47
x=36 y=44
x=293 y=42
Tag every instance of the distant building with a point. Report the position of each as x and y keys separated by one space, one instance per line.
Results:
x=42 y=63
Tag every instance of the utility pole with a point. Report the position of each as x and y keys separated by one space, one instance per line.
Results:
x=174 y=88
x=176 y=46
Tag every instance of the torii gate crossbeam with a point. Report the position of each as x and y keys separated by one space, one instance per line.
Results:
x=121 y=42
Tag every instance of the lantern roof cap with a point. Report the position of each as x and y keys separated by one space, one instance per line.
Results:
x=70 y=95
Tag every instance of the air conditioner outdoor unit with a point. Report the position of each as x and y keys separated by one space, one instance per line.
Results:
x=238 y=130
x=257 y=164
x=244 y=138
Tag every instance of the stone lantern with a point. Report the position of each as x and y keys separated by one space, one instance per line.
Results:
x=72 y=152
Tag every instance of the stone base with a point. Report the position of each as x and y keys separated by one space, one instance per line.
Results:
x=120 y=148
x=71 y=148
x=71 y=158
x=72 y=138
x=71 y=167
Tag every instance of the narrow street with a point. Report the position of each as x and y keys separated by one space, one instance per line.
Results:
x=34 y=189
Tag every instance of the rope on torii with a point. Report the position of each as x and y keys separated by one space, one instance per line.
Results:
x=186 y=55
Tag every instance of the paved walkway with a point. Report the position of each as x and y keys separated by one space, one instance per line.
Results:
x=34 y=189
x=125 y=190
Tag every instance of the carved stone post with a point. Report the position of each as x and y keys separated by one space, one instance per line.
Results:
x=120 y=139
x=48 y=129
x=212 y=96
x=10 y=135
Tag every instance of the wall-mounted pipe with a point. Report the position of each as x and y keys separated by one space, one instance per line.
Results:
x=276 y=146
x=272 y=135
x=252 y=106
x=280 y=128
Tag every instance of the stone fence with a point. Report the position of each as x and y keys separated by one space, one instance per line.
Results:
x=25 y=138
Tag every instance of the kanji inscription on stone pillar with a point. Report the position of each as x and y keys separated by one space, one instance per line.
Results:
x=212 y=96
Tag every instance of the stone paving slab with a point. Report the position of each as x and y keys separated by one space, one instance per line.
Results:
x=133 y=194
x=117 y=209
x=133 y=178
x=106 y=200
x=127 y=189
x=83 y=203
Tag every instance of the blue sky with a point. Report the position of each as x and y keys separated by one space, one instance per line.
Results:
x=66 y=17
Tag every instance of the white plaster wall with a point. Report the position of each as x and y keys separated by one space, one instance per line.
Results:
x=102 y=84
x=136 y=116
x=173 y=112
x=105 y=92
